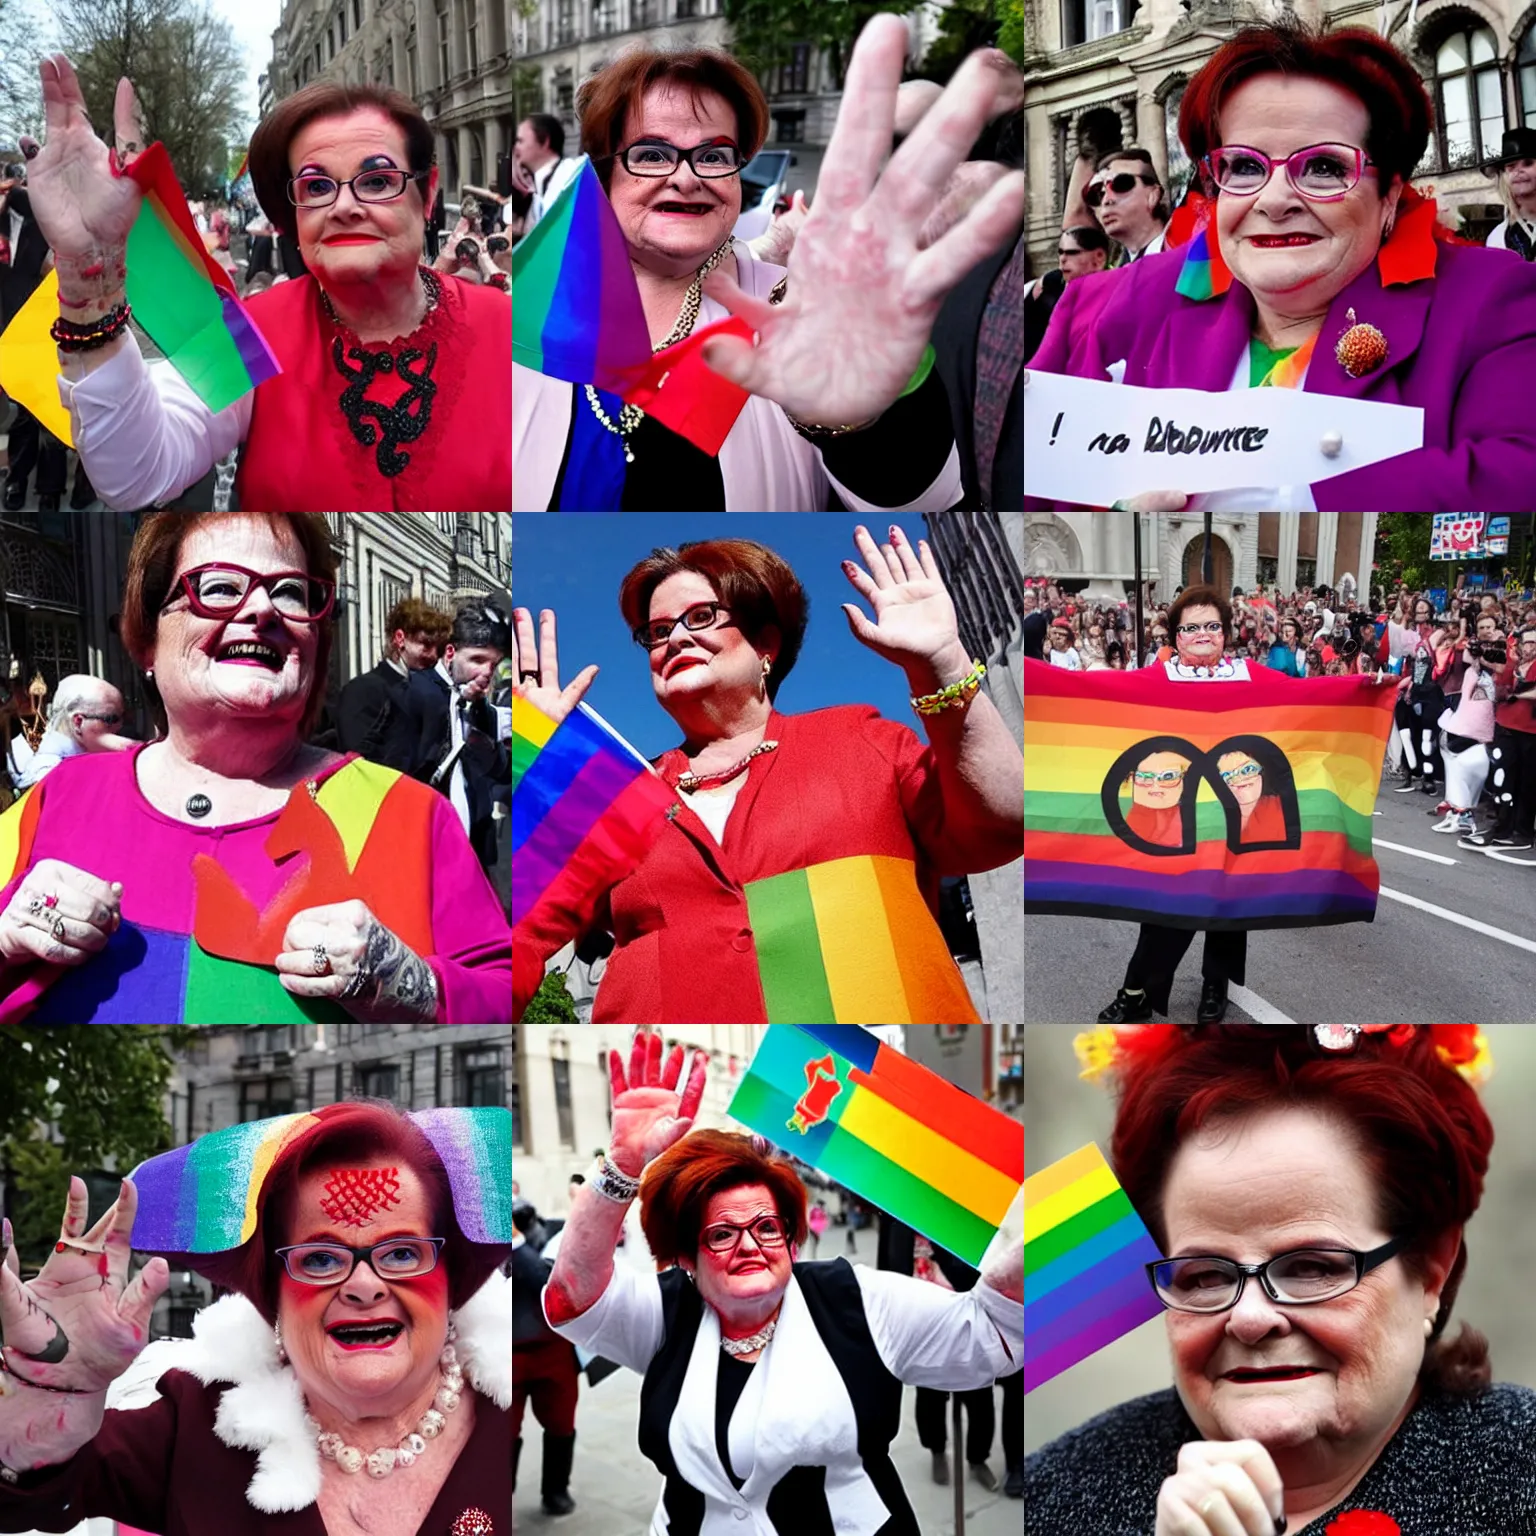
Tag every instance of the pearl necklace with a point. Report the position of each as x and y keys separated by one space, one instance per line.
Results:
x=429 y=1426
x=751 y=1342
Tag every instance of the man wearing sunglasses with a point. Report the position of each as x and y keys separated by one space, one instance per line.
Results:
x=85 y=716
x=1126 y=198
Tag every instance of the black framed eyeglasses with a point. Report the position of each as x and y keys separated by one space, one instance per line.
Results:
x=700 y=616
x=396 y=1258
x=767 y=1232
x=1301 y=1277
x=655 y=157
x=382 y=185
x=217 y=590
x=1119 y=184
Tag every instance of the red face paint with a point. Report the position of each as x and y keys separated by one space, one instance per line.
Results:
x=354 y=1196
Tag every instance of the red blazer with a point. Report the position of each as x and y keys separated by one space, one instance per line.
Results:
x=842 y=782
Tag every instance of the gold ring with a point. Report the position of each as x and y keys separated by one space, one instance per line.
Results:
x=1206 y=1505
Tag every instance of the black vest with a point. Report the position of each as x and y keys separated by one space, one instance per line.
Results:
x=798 y=1502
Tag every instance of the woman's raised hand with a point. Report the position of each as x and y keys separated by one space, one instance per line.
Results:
x=863 y=295
x=80 y=1322
x=649 y=1114
x=82 y=208
x=915 y=619
x=1222 y=1488
x=536 y=667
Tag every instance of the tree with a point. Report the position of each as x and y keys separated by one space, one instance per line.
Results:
x=1402 y=552
x=186 y=66
x=72 y=1098
x=965 y=26
x=764 y=33
x=552 y=1003
x=21 y=95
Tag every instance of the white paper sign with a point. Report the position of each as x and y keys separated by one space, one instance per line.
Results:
x=1096 y=443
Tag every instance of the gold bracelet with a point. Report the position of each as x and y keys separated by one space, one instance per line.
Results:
x=955 y=696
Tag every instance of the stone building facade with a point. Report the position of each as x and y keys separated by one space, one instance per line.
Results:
x=1113 y=72
x=1093 y=552
x=452 y=57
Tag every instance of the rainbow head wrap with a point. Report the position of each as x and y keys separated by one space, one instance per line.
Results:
x=204 y=1199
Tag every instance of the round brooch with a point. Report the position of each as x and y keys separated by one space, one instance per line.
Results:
x=473 y=1522
x=1361 y=348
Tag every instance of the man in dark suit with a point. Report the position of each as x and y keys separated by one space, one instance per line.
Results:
x=377 y=713
x=465 y=745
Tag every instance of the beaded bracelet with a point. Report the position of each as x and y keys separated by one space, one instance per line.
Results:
x=70 y=337
x=955 y=696
x=813 y=430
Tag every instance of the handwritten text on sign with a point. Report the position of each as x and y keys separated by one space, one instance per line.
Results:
x=1094 y=443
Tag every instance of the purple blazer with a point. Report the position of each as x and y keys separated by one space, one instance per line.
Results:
x=1461 y=344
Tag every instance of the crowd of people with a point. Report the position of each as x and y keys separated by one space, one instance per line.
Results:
x=1465 y=721
x=1301 y=256
x=887 y=366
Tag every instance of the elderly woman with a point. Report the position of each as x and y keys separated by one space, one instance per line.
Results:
x=160 y=885
x=796 y=881
x=358 y=1381
x=394 y=390
x=1310 y=1186
x=1325 y=273
x=772 y=1387
x=842 y=390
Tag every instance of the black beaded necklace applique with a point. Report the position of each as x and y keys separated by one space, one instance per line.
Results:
x=410 y=415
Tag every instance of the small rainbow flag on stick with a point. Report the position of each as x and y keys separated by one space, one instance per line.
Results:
x=1215 y=804
x=586 y=808
x=892 y=1131
x=184 y=299
x=1085 y=1249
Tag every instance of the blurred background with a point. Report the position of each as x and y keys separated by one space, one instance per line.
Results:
x=1063 y=1113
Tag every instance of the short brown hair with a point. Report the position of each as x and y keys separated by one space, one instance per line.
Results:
x=415 y=615
x=676 y=1189
x=1200 y=596
x=270 y=171
x=152 y=568
x=756 y=586
x=614 y=96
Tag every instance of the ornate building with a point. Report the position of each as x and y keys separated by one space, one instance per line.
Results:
x=1093 y=552
x=1113 y=72
x=452 y=57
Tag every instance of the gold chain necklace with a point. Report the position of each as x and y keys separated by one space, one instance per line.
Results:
x=630 y=416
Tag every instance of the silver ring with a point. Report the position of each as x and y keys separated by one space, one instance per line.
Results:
x=1206 y=1505
x=322 y=961
x=59 y=929
x=35 y=905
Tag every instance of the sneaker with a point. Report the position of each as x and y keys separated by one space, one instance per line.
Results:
x=1477 y=840
x=1465 y=824
x=1453 y=823
x=1429 y=787
x=1514 y=842
x=1407 y=787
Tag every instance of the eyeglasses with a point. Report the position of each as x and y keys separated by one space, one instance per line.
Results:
x=767 y=1232
x=1168 y=776
x=378 y=186
x=1215 y=627
x=396 y=1258
x=215 y=591
x=1119 y=185
x=700 y=616
x=105 y=719
x=1300 y=1278
x=1243 y=774
x=657 y=158
x=1322 y=173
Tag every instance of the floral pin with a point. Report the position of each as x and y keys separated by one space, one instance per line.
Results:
x=1361 y=348
x=1363 y=1522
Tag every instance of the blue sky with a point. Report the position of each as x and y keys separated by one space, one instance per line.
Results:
x=574 y=564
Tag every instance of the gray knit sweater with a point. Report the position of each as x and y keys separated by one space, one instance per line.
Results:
x=1456 y=1467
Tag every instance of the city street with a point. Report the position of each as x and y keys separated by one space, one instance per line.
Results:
x=615 y=1487
x=1453 y=941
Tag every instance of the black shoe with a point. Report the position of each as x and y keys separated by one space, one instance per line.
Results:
x=1213 y=1002
x=1127 y=1008
x=83 y=494
x=1407 y=787
x=1429 y=787
x=559 y=1503
x=559 y=1452
x=1514 y=841
x=1013 y=1484
x=15 y=496
x=941 y=1468
x=48 y=501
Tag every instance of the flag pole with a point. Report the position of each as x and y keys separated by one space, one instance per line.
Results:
x=959 y=1475
x=1205 y=558
x=1141 y=658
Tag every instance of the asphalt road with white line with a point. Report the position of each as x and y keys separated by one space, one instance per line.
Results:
x=1453 y=942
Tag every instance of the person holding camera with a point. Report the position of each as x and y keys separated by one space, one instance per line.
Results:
x=1513 y=755
x=1469 y=728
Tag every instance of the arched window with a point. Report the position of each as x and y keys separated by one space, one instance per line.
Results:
x=1525 y=73
x=1469 y=97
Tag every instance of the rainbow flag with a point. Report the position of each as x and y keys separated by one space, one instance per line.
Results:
x=851 y=941
x=576 y=311
x=1085 y=1252
x=1201 y=804
x=205 y=1197
x=586 y=808
x=893 y=1132
x=184 y=299
x=1204 y=275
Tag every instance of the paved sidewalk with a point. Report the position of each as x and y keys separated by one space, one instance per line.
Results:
x=616 y=1488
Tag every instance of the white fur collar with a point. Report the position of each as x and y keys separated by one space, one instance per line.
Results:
x=263 y=1408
